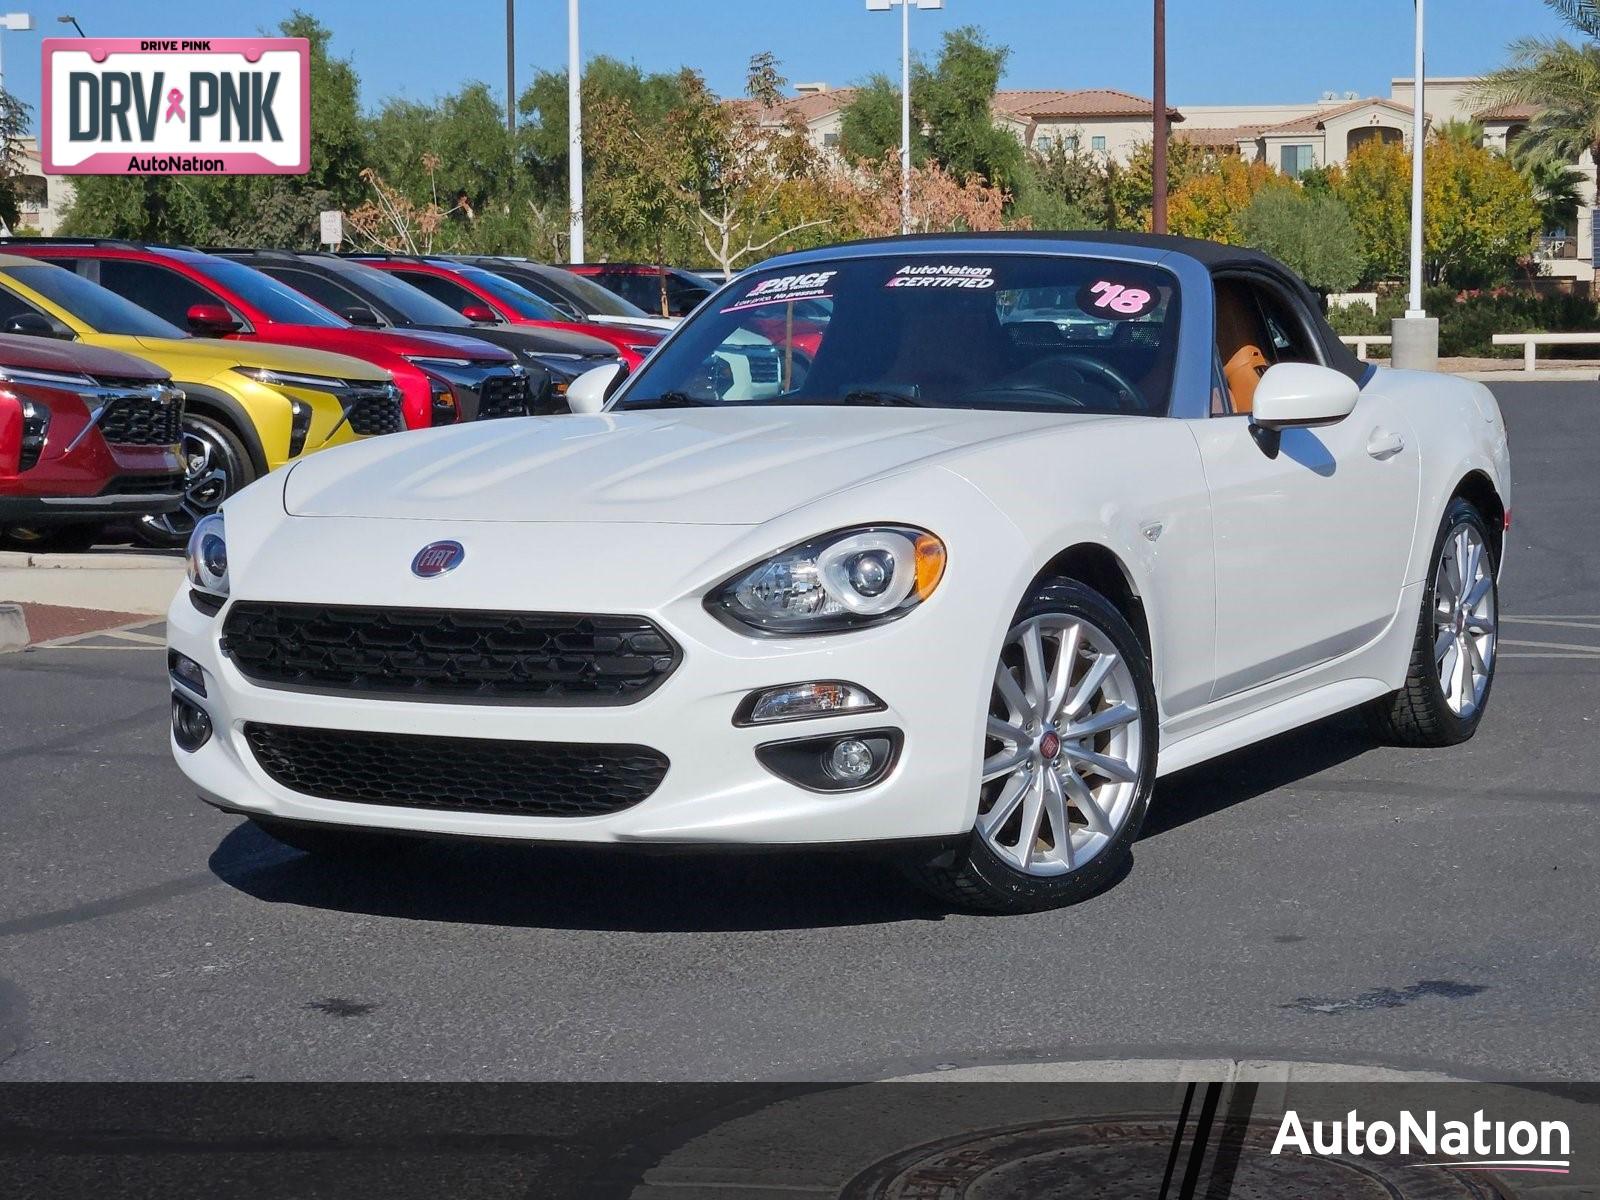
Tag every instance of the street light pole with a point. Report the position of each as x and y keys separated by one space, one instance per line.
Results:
x=19 y=23
x=574 y=136
x=1419 y=133
x=905 y=95
x=1416 y=335
x=511 y=66
x=1158 y=165
x=905 y=117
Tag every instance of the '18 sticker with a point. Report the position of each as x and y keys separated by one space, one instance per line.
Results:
x=1117 y=301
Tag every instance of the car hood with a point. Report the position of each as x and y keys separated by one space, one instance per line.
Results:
x=528 y=339
x=700 y=466
x=45 y=354
x=194 y=358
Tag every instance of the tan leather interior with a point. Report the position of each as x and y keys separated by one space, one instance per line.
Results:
x=1241 y=333
x=1243 y=372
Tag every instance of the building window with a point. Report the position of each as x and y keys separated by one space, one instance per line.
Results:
x=1099 y=142
x=1042 y=143
x=1297 y=160
x=830 y=140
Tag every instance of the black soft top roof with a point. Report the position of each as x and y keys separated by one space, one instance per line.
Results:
x=1214 y=256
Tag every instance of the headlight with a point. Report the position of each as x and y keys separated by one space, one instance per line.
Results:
x=315 y=383
x=424 y=360
x=844 y=580
x=208 y=556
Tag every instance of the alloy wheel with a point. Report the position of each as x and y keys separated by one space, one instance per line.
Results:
x=1062 y=747
x=1465 y=620
x=206 y=485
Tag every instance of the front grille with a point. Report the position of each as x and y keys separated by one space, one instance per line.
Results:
x=532 y=779
x=145 y=485
x=503 y=396
x=450 y=656
x=373 y=411
x=140 y=421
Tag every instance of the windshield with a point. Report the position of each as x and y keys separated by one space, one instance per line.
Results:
x=275 y=301
x=414 y=305
x=592 y=298
x=101 y=309
x=1047 y=333
x=513 y=295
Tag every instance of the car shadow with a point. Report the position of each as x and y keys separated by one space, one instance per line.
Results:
x=1212 y=787
x=600 y=889
x=555 y=887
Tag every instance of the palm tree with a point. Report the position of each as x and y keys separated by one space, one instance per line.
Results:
x=1556 y=189
x=1562 y=80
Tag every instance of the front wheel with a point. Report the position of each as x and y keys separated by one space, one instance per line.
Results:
x=1069 y=761
x=1453 y=653
x=215 y=466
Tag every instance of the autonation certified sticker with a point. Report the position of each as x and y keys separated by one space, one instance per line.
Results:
x=156 y=106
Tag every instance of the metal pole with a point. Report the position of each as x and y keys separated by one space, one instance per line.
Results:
x=1158 y=206
x=511 y=66
x=1418 y=145
x=905 y=116
x=574 y=136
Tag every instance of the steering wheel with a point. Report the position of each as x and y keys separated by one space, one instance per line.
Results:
x=1129 y=398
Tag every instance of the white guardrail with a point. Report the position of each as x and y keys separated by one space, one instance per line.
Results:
x=1363 y=340
x=1530 y=343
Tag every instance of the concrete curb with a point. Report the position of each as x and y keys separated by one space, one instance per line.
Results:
x=90 y=561
x=13 y=628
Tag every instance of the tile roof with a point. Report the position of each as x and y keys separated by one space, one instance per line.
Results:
x=1083 y=102
x=1508 y=112
x=1312 y=122
x=1224 y=136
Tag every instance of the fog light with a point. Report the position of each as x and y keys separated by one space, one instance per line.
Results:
x=850 y=761
x=299 y=426
x=186 y=671
x=838 y=763
x=444 y=406
x=191 y=727
x=799 y=701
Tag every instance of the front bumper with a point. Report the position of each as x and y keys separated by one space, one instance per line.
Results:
x=114 y=502
x=715 y=791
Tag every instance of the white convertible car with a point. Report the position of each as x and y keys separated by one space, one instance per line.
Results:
x=1042 y=518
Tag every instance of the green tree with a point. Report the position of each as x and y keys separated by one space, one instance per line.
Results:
x=1311 y=233
x=870 y=124
x=1062 y=187
x=1557 y=190
x=1374 y=185
x=956 y=100
x=14 y=116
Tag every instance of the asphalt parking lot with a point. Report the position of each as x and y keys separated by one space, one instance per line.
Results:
x=1318 y=898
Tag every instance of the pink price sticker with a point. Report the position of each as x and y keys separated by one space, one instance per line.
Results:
x=1116 y=301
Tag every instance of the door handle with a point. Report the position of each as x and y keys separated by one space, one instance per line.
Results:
x=1384 y=445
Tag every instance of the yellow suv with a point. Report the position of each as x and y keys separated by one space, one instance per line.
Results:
x=251 y=407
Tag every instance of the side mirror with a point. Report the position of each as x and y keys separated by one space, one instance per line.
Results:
x=360 y=314
x=589 y=392
x=1303 y=394
x=32 y=324
x=480 y=314
x=210 y=320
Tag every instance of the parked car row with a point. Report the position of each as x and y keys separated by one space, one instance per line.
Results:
x=155 y=381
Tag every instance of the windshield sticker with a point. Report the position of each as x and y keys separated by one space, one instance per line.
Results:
x=942 y=275
x=786 y=288
x=1116 y=301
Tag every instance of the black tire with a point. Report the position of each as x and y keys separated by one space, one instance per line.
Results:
x=973 y=876
x=52 y=539
x=1419 y=714
x=227 y=468
x=333 y=841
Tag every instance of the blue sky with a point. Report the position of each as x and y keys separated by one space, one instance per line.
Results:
x=1221 y=51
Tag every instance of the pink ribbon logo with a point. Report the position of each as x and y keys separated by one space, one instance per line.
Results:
x=175 y=105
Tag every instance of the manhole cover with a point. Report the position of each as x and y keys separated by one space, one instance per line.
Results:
x=1125 y=1158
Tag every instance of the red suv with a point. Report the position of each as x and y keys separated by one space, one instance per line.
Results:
x=483 y=296
x=440 y=376
x=85 y=434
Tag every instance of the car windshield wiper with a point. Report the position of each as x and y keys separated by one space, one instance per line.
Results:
x=885 y=397
x=669 y=400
